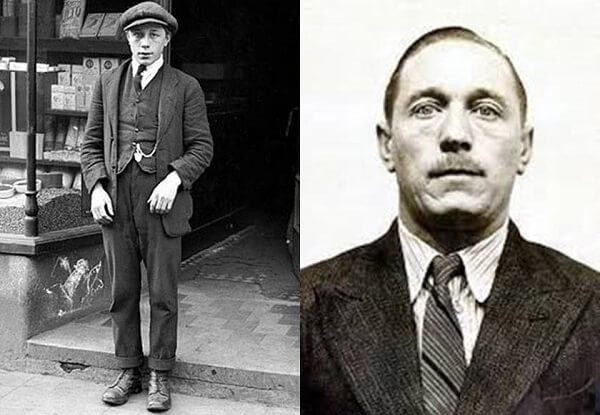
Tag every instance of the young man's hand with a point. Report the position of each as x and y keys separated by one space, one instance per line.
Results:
x=102 y=208
x=162 y=197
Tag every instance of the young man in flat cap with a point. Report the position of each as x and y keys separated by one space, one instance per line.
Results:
x=147 y=140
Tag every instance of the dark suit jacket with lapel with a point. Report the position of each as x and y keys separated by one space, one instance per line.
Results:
x=538 y=350
x=185 y=140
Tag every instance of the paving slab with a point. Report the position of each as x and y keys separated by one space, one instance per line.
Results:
x=27 y=394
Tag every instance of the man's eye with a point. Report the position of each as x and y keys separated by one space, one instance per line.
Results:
x=486 y=112
x=425 y=110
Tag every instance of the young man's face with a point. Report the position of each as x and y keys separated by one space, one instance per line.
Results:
x=147 y=42
x=456 y=139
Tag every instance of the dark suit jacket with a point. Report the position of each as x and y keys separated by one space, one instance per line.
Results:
x=185 y=140
x=538 y=350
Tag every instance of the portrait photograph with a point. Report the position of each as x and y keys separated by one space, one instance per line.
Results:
x=450 y=247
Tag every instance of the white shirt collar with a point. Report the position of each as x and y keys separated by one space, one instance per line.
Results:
x=480 y=261
x=151 y=70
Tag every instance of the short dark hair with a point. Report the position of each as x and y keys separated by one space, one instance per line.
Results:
x=437 y=35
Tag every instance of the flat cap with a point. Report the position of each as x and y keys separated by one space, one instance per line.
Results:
x=148 y=12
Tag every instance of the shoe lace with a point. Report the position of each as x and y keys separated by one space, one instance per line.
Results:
x=122 y=383
x=158 y=384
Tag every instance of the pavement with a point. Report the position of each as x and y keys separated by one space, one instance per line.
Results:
x=238 y=340
x=34 y=394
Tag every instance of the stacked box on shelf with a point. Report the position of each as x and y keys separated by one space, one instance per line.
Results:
x=68 y=93
x=77 y=82
x=75 y=85
x=64 y=77
x=69 y=99
x=110 y=26
x=91 y=26
x=57 y=101
x=14 y=109
x=91 y=73
x=72 y=18
x=106 y=64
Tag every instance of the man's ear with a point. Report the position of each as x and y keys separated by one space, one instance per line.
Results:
x=385 y=144
x=526 y=148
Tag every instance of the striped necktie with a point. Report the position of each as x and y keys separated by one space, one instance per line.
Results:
x=443 y=363
x=137 y=79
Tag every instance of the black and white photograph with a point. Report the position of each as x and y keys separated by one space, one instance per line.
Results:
x=149 y=207
x=449 y=257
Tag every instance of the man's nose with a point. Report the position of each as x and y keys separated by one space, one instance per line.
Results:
x=456 y=131
x=145 y=41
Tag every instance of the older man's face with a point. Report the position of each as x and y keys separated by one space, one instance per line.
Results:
x=456 y=139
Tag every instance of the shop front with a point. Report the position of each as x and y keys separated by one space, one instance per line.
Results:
x=245 y=56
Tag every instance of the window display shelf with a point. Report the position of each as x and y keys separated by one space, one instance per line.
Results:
x=40 y=70
x=66 y=113
x=92 y=46
x=40 y=162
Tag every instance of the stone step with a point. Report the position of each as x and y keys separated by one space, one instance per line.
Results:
x=233 y=343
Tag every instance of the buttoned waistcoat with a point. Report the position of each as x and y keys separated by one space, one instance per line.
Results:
x=185 y=141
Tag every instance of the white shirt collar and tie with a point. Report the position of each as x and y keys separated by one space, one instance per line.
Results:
x=150 y=72
x=480 y=262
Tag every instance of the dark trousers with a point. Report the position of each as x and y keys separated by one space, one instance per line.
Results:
x=137 y=235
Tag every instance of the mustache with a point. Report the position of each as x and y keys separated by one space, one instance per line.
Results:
x=453 y=164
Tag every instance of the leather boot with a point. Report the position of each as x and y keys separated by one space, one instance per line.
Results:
x=159 y=396
x=129 y=381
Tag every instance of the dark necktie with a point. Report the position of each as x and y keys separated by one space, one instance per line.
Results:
x=443 y=363
x=137 y=79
